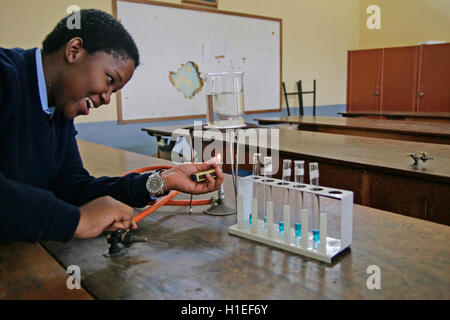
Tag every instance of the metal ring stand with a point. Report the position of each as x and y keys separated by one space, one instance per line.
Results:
x=218 y=207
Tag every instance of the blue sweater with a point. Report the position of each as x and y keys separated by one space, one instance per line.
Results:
x=42 y=179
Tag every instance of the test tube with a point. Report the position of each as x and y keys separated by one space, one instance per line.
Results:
x=299 y=174
x=286 y=176
x=267 y=188
x=256 y=171
x=315 y=205
x=299 y=171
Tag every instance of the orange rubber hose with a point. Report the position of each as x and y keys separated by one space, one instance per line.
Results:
x=158 y=204
x=167 y=200
x=187 y=202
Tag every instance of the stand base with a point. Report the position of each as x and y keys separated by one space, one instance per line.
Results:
x=219 y=209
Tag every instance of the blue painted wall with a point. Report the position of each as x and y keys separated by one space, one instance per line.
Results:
x=130 y=136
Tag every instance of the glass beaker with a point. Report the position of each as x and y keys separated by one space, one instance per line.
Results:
x=225 y=99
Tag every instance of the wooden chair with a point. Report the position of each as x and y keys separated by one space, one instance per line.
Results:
x=300 y=94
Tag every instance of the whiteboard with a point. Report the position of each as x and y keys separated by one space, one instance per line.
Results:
x=170 y=35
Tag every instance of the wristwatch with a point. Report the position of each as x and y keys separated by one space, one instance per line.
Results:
x=155 y=184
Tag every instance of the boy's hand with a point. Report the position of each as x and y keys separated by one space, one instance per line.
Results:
x=179 y=178
x=103 y=214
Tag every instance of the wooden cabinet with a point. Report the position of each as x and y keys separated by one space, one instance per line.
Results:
x=363 y=79
x=399 y=79
x=434 y=78
x=363 y=76
x=415 y=78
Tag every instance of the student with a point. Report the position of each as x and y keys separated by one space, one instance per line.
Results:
x=45 y=192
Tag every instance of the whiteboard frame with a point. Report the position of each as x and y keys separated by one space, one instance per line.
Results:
x=210 y=10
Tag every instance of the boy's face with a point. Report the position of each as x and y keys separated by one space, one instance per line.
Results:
x=88 y=82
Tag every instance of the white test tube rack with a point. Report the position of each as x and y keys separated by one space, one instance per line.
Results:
x=325 y=251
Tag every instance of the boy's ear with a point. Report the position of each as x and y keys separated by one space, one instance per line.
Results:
x=74 y=50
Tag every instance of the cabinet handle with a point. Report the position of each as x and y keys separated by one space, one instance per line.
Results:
x=376 y=94
x=421 y=94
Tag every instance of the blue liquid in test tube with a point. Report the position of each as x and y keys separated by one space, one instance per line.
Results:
x=298 y=230
x=250 y=218
x=316 y=235
x=298 y=233
x=316 y=238
x=281 y=226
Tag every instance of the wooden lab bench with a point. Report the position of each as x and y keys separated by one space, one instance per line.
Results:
x=386 y=129
x=378 y=171
x=401 y=115
x=194 y=257
x=29 y=272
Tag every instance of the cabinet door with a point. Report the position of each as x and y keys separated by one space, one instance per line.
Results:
x=363 y=80
x=399 y=79
x=434 y=78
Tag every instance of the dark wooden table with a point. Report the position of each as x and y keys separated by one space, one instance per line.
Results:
x=378 y=171
x=28 y=271
x=386 y=129
x=194 y=257
x=401 y=115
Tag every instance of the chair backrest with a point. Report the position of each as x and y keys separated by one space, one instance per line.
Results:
x=286 y=98
x=300 y=94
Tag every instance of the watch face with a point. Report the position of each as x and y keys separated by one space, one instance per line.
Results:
x=155 y=184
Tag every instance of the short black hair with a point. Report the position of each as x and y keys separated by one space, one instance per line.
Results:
x=100 y=32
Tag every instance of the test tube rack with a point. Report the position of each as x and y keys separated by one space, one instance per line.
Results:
x=328 y=246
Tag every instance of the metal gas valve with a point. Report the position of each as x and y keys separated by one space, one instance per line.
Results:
x=118 y=237
x=417 y=157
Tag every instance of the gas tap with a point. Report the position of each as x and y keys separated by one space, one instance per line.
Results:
x=123 y=237
x=419 y=156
